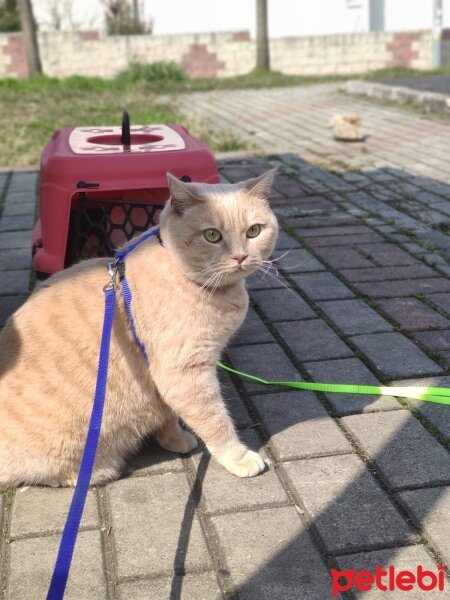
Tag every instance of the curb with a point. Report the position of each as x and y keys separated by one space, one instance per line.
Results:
x=431 y=102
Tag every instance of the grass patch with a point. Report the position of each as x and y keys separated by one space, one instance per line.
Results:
x=217 y=139
x=32 y=109
x=29 y=116
x=399 y=72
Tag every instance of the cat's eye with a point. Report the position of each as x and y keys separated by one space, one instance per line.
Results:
x=212 y=235
x=254 y=231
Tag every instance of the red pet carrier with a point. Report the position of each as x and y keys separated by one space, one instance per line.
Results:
x=101 y=186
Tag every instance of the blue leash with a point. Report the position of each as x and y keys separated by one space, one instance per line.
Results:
x=62 y=566
x=67 y=544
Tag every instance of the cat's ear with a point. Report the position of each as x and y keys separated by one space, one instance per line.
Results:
x=183 y=195
x=260 y=186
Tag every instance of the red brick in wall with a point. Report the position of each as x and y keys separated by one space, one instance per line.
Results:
x=89 y=36
x=15 y=49
x=241 y=36
x=401 y=50
x=199 y=62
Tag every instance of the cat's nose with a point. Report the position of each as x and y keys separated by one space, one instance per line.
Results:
x=240 y=258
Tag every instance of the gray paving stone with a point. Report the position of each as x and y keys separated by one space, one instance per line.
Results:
x=350 y=370
x=415 y=248
x=322 y=286
x=305 y=205
x=15 y=282
x=32 y=562
x=437 y=414
x=402 y=559
x=23 y=181
x=337 y=220
x=151 y=458
x=16 y=223
x=282 y=304
x=299 y=426
x=313 y=340
x=388 y=273
x=300 y=261
x=345 y=240
x=263 y=549
x=394 y=356
x=349 y=509
x=139 y=507
x=196 y=586
x=388 y=255
x=412 y=313
x=397 y=289
x=285 y=241
x=19 y=196
x=440 y=300
x=4 y=177
x=430 y=509
x=36 y=511
x=223 y=491
x=263 y=281
x=392 y=439
x=343 y=257
x=264 y=360
x=434 y=340
x=340 y=230
x=15 y=259
x=252 y=331
x=18 y=209
x=8 y=305
x=354 y=316
x=11 y=240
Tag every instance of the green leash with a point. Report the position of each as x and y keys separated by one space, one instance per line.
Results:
x=438 y=395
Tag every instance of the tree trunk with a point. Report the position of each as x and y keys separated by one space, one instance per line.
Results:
x=262 y=36
x=136 y=17
x=29 y=33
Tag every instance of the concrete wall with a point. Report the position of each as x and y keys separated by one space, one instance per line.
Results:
x=220 y=54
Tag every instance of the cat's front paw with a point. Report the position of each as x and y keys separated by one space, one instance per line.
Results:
x=248 y=465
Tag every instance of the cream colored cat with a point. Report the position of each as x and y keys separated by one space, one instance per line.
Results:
x=189 y=297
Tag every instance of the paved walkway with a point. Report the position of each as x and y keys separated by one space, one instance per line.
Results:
x=354 y=481
x=431 y=83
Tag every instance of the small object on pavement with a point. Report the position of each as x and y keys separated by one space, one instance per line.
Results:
x=347 y=128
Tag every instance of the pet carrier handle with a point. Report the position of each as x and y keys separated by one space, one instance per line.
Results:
x=126 y=135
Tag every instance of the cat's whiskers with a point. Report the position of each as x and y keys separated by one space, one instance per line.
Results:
x=205 y=285
x=216 y=285
x=204 y=271
x=269 y=264
x=290 y=267
x=277 y=258
x=266 y=271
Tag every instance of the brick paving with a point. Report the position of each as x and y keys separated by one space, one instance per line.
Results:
x=363 y=296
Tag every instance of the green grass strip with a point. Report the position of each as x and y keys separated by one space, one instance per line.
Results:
x=437 y=395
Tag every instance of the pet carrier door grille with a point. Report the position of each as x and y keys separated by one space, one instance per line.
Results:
x=98 y=227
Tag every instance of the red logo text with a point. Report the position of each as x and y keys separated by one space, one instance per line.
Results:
x=388 y=579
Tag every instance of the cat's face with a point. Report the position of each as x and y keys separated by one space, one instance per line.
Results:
x=219 y=233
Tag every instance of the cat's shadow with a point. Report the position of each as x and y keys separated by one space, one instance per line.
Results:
x=151 y=458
